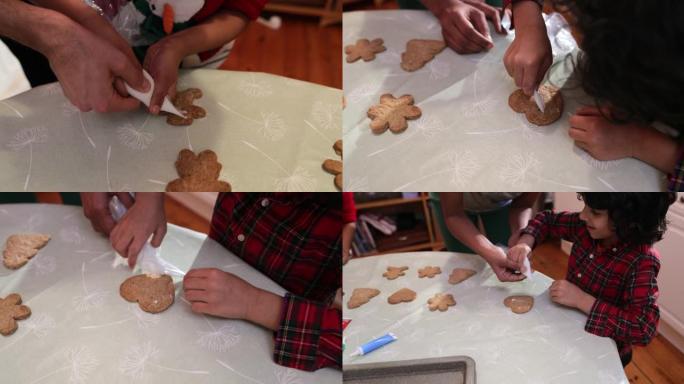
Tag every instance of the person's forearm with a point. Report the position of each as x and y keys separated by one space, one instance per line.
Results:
x=265 y=309
x=518 y=218
x=436 y=6
x=586 y=303
x=347 y=237
x=35 y=27
x=77 y=10
x=527 y=14
x=212 y=33
x=657 y=149
x=465 y=231
x=527 y=240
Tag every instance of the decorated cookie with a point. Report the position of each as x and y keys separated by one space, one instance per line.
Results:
x=154 y=294
x=361 y=296
x=403 y=295
x=441 y=301
x=460 y=274
x=22 y=247
x=429 y=271
x=11 y=310
x=392 y=113
x=419 y=52
x=364 y=49
x=198 y=173
x=184 y=102
x=519 y=303
x=394 y=272
x=553 y=105
x=335 y=166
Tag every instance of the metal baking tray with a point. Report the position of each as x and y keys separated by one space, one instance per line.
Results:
x=442 y=370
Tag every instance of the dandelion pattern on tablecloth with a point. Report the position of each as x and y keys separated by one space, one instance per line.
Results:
x=134 y=138
x=27 y=137
x=365 y=93
x=257 y=88
x=300 y=180
x=91 y=298
x=519 y=168
x=79 y=363
x=218 y=340
x=287 y=376
x=71 y=235
x=326 y=115
x=138 y=357
x=43 y=264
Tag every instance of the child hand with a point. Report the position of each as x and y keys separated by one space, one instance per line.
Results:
x=162 y=61
x=503 y=268
x=517 y=255
x=566 y=293
x=144 y=218
x=464 y=24
x=529 y=56
x=602 y=139
x=215 y=292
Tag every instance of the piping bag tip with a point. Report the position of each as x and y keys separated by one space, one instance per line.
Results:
x=539 y=100
x=146 y=97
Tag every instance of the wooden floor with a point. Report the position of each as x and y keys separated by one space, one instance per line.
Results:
x=657 y=363
x=300 y=49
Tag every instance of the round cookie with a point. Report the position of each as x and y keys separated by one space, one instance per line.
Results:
x=553 y=107
x=518 y=101
x=153 y=294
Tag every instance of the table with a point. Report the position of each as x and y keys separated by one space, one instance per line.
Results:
x=546 y=345
x=271 y=133
x=82 y=331
x=468 y=138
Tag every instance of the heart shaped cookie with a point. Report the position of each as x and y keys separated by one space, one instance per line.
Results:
x=460 y=274
x=154 y=294
x=403 y=295
x=519 y=303
x=553 y=105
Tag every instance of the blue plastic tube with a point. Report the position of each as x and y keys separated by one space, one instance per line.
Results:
x=374 y=344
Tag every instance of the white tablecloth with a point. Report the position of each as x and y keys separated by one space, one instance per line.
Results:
x=468 y=138
x=82 y=331
x=269 y=132
x=545 y=345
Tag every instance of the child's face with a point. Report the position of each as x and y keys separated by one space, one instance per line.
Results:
x=598 y=223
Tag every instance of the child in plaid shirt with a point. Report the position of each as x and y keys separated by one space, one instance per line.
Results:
x=613 y=266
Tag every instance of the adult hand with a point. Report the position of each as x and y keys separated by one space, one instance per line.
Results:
x=464 y=23
x=517 y=255
x=96 y=209
x=144 y=218
x=529 y=56
x=503 y=268
x=87 y=66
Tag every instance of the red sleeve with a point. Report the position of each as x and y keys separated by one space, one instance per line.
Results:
x=309 y=336
x=250 y=8
x=348 y=208
x=636 y=321
x=546 y=224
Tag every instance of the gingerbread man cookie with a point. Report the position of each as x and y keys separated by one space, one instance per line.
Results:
x=392 y=113
x=11 y=310
x=20 y=248
x=519 y=303
x=429 y=272
x=198 y=173
x=364 y=49
x=394 y=272
x=154 y=294
x=419 y=52
x=361 y=296
x=403 y=295
x=184 y=102
x=441 y=301
x=553 y=105
x=460 y=274
x=335 y=166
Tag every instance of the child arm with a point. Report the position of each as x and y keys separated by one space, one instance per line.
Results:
x=545 y=224
x=636 y=321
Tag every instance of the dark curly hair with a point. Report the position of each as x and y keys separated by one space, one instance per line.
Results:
x=632 y=57
x=639 y=217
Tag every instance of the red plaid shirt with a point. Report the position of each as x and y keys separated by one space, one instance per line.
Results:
x=294 y=239
x=621 y=278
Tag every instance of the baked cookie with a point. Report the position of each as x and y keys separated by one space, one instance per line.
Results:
x=429 y=271
x=460 y=274
x=392 y=113
x=441 y=301
x=11 y=310
x=198 y=173
x=403 y=295
x=394 y=272
x=22 y=247
x=519 y=303
x=184 y=102
x=361 y=296
x=364 y=49
x=419 y=52
x=553 y=105
x=154 y=294
x=335 y=166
